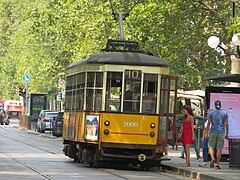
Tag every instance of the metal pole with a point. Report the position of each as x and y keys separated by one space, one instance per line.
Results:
x=121 y=26
x=198 y=138
x=26 y=98
x=235 y=62
x=233 y=10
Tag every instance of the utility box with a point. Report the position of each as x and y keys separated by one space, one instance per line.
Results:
x=234 y=153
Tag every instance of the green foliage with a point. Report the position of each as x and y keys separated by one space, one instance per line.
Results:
x=41 y=38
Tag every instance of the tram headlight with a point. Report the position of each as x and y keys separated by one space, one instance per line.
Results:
x=107 y=123
x=152 y=134
x=106 y=131
x=152 y=125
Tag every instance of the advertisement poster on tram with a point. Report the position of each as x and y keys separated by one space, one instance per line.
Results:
x=230 y=100
x=91 y=127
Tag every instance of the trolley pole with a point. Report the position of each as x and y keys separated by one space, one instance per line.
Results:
x=120 y=18
x=121 y=26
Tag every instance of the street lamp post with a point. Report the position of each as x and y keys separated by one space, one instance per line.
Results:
x=215 y=43
x=235 y=65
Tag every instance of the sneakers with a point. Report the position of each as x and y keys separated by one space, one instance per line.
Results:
x=212 y=163
x=165 y=157
x=204 y=164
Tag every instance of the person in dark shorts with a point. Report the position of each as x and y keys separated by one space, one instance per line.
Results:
x=218 y=120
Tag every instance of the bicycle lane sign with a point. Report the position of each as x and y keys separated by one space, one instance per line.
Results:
x=26 y=78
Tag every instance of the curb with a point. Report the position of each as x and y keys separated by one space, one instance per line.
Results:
x=191 y=173
x=37 y=133
x=186 y=172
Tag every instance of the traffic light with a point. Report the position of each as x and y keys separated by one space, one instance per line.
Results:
x=21 y=91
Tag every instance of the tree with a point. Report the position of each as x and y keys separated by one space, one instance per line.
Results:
x=41 y=38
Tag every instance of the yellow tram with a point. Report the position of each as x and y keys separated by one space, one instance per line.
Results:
x=119 y=106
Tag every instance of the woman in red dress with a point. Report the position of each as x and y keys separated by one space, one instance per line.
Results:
x=187 y=129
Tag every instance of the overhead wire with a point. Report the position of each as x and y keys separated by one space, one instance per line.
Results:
x=111 y=6
x=126 y=14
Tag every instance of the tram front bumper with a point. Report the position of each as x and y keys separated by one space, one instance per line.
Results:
x=128 y=151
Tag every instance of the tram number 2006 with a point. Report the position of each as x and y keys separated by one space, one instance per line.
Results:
x=130 y=124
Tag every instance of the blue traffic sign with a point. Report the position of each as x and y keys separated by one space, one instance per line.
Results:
x=26 y=78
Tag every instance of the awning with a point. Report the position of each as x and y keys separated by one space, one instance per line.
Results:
x=229 y=78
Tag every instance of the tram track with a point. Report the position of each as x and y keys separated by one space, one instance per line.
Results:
x=108 y=170
x=36 y=170
x=21 y=162
x=28 y=166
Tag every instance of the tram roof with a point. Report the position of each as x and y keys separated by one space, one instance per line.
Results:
x=122 y=58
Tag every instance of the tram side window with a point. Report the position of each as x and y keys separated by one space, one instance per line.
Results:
x=70 y=100
x=69 y=83
x=80 y=91
x=94 y=91
x=172 y=96
x=113 y=91
x=132 y=91
x=164 y=96
x=149 y=93
x=74 y=85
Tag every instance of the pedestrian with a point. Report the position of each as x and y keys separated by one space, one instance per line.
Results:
x=187 y=137
x=165 y=152
x=197 y=151
x=205 y=143
x=218 y=120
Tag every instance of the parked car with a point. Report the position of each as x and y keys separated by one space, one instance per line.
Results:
x=37 y=119
x=45 y=121
x=42 y=111
x=4 y=117
x=57 y=125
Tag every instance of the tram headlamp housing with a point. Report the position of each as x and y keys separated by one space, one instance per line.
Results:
x=106 y=131
x=107 y=123
x=152 y=125
x=152 y=134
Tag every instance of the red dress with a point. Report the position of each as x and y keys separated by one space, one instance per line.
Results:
x=186 y=137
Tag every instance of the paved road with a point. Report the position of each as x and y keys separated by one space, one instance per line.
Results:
x=25 y=154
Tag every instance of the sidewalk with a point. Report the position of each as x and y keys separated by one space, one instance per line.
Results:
x=200 y=173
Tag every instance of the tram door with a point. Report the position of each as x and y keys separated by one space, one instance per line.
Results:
x=168 y=99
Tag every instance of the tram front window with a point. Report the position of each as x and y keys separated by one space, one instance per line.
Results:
x=113 y=91
x=132 y=93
